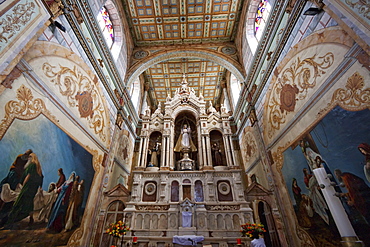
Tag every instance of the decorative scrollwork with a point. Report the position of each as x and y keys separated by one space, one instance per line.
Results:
x=80 y=92
x=12 y=23
x=152 y=207
x=293 y=85
x=26 y=108
x=305 y=238
x=223 y=207
x=76 y=237
x=249 y=146
x=278 y=157
x=354 y=97
x=362 y=6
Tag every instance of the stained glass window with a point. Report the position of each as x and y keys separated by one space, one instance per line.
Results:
x=262 y=13
x=106 y=26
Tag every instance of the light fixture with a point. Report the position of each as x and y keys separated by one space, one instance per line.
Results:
x=312 y=11
x=60 y=26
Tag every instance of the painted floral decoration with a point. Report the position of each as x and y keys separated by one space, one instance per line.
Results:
x=118 y=229
x=249 y=228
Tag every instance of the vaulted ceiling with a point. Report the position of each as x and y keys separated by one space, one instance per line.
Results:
x=160 y=24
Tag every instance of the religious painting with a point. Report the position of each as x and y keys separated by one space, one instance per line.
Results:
x=45 y=182
x=340 y=144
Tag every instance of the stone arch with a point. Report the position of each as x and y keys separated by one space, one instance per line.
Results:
x=178 y=110
x=316 y=44
x=54 y=55
x=221 y=59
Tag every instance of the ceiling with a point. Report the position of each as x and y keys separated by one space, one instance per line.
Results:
x=158 y=24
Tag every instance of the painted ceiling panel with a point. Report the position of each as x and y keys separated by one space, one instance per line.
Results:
x=169 y=22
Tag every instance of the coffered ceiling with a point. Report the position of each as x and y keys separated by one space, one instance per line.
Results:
x=160 y=24
x=203 y=76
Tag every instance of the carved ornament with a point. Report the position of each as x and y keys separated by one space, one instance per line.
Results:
x=152 y=207
x=222 y=207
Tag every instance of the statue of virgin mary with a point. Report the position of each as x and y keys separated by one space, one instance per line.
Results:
x=185 y=141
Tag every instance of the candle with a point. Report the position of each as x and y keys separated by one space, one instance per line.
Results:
x=238 y=241
x=134 y=240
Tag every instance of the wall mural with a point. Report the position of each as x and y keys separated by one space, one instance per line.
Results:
x=333 y=143
x=50 y=205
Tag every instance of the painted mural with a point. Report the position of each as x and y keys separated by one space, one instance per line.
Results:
x=340 y=144
x=56 y=178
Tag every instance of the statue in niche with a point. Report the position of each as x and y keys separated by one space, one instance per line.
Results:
x=185 y=142
x=216 y=155
x=154 y=152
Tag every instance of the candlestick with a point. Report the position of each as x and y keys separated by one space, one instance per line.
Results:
x=238 y=241
x=134 y=240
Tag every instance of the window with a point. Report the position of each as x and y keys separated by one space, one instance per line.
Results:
x=135 y=93
x=235 y=89
x=263 y=11
x=106 y=26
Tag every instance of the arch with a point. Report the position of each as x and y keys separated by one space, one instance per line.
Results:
x=139 y=221
x=198 y=191
x=221 y=59
x=317 y=41
x=175 y=189
x=186 y=108
x=113 y=214
x=53 y=52
x=217 y=148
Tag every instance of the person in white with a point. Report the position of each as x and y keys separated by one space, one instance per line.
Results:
x=257 y=241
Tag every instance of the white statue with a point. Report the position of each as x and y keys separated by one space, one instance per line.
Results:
x=184 y=140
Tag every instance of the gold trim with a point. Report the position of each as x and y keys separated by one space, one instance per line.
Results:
x=13 y=22
x=71 y=83
x=354 y=97
x=298 y=79
x=278 y=157
x=305 y=238
x=26 y=108
x=351 y=242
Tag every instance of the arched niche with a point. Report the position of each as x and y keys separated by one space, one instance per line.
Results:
x=182 y=118
x=154 y=149
x=217 y=148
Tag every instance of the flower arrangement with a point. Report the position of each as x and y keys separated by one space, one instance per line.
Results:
x=249 y=228
x=117 y=229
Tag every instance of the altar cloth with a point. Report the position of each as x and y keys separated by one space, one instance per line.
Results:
x=187 y=239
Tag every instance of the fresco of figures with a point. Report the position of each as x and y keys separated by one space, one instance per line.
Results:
x=340 y=144
x=45 y=179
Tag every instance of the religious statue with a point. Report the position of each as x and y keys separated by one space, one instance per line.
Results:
x=154 y=154
x=216 y=155
x=185 y=142
x=211 y=109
